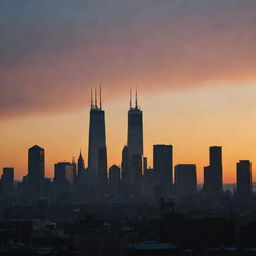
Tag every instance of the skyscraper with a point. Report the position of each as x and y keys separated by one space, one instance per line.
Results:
x=97 y=140
x=213 y=173
x=125 y=168
x=63 y=173
x=244 y=178
x=216 y=164
x=208 y=179
x=136 y=175
x=7 y=180
x=102 y=171
x=81 y=180
x=80 y=165
x=162 y=162
x=36 y=172
x=135 y=129
x=185 y=179
x=114 y=180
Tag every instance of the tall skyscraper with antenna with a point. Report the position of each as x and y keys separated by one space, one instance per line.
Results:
x=97 y=140
x=135 y=128
x=135 y=146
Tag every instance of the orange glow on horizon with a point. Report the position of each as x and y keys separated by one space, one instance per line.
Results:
x=189 y=120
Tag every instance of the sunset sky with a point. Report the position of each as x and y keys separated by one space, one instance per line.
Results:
x=193 y=61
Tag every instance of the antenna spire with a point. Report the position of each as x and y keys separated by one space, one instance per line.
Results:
x=96 y=97
x=130 y=97
x=100 y=98
x=136 y=100
x=91 y=99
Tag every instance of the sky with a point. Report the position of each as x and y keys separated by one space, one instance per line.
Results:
x=193 y=62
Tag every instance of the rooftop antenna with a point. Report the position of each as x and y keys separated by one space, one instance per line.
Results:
x=130 y=97
x=91 y=99
x=95 y=97
x=100 y=98
x=136 y=104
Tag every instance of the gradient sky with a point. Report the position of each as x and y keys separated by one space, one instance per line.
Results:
x=194 y=62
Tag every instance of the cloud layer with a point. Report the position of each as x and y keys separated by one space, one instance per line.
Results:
x=52 y=52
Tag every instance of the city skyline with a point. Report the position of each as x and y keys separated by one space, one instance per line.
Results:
x=128 y=127
x=200 y=165
x=193 y=63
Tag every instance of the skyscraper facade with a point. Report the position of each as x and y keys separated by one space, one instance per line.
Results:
x=97 y=140
x=125 y=169
x=185 y=179
x=136 y=175
x=36 y=165
x=135 y=147
x=162 y=162
x=63 y=173
x=80 y=165
x=244 y=178
x=135 y=129
x=102 y=171
x=7 y=180
x=114 y=180
x=216 y=165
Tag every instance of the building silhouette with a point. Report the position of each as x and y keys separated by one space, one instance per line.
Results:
x=64 y=173
x=7 y=181
x=145 y=164
x=80 y=182
x=114 y=180
x=209 y=179
x=185 y=179
x=125 y=171
x=213 y=173
x=80 y=165
x=135 y=129
x=136 y=175
x=102 y=172
x=97 y=140
x=162 y=162
x=216 y=164
x=36 y=165
x=244 y=178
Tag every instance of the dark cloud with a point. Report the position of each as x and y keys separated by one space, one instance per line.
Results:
x=51 y=52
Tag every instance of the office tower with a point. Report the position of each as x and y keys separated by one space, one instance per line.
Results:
x=145 y=164
x=136 y=175
x=74 y=168
x=114 y=180
x=80 y=165
x=80 y=182
x=185 y=179
x=36 y=172
x=97 y=140
x=125 y=165
x=63 y=173
x=102 y=171
x=244 y=178
x=7 y=180
x=135 y=129
x=208 y=179
x=213 y=173
x=162 y=162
